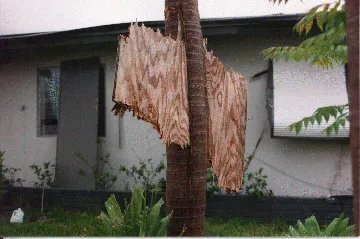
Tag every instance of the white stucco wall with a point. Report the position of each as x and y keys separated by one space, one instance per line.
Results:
x=125 y=138
x=294 y=167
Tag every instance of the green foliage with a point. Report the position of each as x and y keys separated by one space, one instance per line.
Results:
x=323 y=48
x=145 y=175
x=85 y=223
x=104 y=180
x=2 y=169
x=2 y=176
x=240 y=227
x=338 y=227
x=45 y=175
x=254 y=183
x=340 y=113
x=137 y=219
x=7 y=175
x=212 y=185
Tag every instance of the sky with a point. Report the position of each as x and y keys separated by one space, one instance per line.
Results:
x=30 y=16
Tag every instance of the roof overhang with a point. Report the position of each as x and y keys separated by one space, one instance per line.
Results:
x=110 y=33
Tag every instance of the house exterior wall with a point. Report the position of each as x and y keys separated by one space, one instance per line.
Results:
x=294 y=167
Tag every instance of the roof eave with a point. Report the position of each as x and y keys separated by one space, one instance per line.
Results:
x=110 y=33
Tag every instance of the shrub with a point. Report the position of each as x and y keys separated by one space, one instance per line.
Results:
x=145 y=175
x=254 y=183
x=338 y=227
x=7 y=175
x=212 y=185
x=104 y=180
x=45 y=175
x=136 y=219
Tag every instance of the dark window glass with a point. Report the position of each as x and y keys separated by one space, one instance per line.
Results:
x=49 y=86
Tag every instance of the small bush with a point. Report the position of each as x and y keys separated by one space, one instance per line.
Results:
x=8 y=175
x=45 y=175
x=337 y=228
x=104 y=180
x=145 y=175
x=254 y=183
x=136 y=219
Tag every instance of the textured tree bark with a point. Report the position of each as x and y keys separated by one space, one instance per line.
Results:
x=187 y=168
x=352 y=40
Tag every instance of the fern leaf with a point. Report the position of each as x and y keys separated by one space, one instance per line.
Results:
x=333 y=111
x=326 y=114
x=291 y=127
x=298 y=127
x=320 y=20
x=326 y=7
x=329 y=129
x=293 y=232
x=342 y=122
x=309 y=25
x=306 y=122
x=302 y=229
x=318 y=118
x=342 y=227
x=313 y=227
x=329 y=231
x=335 y=125
x=332 y=12
x=340 y=109
x=350 y=230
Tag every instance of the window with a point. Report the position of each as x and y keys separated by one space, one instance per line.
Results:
x=49 y=87
x=48 y=105
x=296 y=90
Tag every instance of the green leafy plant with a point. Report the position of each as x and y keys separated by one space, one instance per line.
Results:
x=254 y=183
x=11 y=178
x=2 y=176
x=212 y=185
x=101 y=170
x=338 y=227
x=145 y=175
x=8 y=175
x=104 y=180
x=45 y=175
x=137 y=219
x=339 y=112
x=322 y=49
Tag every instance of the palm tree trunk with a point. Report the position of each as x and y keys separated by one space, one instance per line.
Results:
x=186 y=168
x=352 y=41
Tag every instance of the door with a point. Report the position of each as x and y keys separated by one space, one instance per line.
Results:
x=78 y=123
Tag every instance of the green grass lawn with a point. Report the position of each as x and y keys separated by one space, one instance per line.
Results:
x=84 y=223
